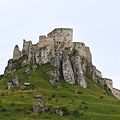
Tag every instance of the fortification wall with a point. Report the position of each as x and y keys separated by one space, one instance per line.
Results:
x=84 y=51
x=45 y=41
x=116 y=93
x=97 y=72
x=62 y=37
x=88 y=55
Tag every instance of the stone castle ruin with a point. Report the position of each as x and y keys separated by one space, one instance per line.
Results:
x=73 y=59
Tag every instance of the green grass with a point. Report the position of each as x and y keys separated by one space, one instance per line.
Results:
x=93 y=103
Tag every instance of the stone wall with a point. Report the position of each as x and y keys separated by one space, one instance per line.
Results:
x=116 y=93
x=45 y=41
x=83 y=51
x=62 y=37
x=97 y=72
x=88 y=55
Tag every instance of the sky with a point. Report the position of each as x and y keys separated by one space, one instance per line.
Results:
x=94 y=22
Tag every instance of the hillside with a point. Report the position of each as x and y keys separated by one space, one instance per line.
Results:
x=55 y=79
x=91 y=103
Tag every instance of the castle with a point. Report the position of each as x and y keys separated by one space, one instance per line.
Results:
x=73 y=59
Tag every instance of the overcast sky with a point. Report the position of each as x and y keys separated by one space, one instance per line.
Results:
x=95 y=22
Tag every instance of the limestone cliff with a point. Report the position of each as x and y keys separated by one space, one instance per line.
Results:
x=73 y=59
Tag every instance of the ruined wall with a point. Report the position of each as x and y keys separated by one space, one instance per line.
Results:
x=116 y=93
x=88 y=55
x=45 y=41
x=109 y=83
x=84 y=51
x=26 y=47
x=16 y=53
x=97 y=72
x=62 y=37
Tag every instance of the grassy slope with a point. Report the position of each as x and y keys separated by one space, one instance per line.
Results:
x=92 y=103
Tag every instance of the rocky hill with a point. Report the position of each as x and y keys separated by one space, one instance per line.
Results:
x=55 y=79
x=72 y=59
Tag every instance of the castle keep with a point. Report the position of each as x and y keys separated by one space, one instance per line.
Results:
x=73 y=59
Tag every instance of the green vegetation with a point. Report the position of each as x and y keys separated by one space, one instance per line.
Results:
x=93 y=103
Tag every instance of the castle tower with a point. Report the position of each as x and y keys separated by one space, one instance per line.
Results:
x=16 y=53
x=62 y=37
x=26 y=46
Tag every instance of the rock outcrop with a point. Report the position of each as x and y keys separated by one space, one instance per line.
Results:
x=16 y=53
x=40 y=106
x=73 y=60
x=13 y=82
